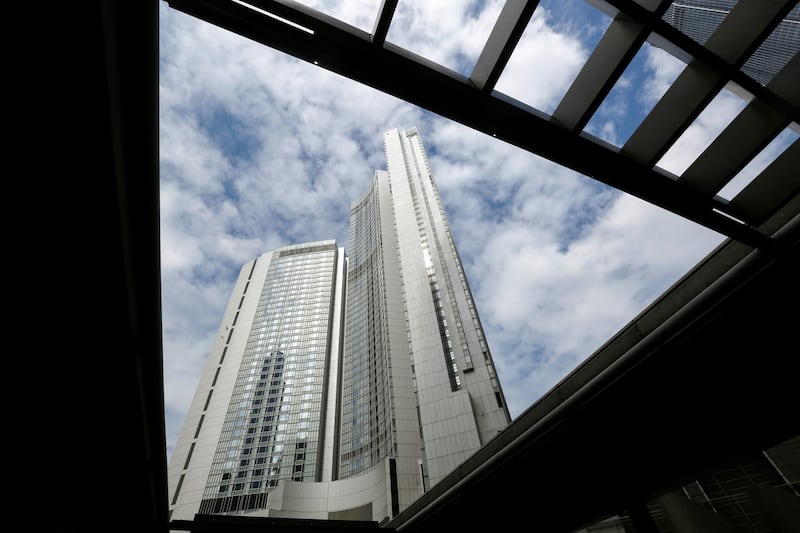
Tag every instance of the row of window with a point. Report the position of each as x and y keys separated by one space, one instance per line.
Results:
x=295 y=283
x=310 y=316
x=292 y=294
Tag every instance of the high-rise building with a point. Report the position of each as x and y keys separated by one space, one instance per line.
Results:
x=699 y=19
x=343 y=386
x=260 y=413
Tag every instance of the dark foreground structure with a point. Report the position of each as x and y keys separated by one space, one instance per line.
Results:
x=700 y=384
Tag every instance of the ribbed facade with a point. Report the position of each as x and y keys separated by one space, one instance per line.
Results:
x=259 y=417
x=453 y=388
x=344 y=387
x=273 y=427
x=699 y=19
x=367 y=429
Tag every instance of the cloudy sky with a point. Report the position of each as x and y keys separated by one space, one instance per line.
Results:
x=259 y=150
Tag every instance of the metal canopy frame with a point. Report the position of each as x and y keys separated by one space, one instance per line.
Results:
x=369 y=59
x=704 y=375
x=724 y=331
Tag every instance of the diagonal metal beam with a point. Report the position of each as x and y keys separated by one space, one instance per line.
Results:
x=607 y=63
x=742 y=31
x=383 y=21
x=406 y=76
x=308 y=18
x=678 y=42
x=747 y=134
x=612 y=55
x=776 y=185
x=506 y=33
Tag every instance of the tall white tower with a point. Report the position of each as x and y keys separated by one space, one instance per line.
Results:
x=419 y=382
x=264 y=411
x=344 y=387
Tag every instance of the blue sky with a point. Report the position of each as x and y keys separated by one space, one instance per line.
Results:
x=259 y=150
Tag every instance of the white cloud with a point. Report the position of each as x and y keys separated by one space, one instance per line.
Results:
x=449 y=33
x=664 y=69
x=259 y=150
x=557 y=262
x=543 y=65
x=697 y=137
x=358 y=13
x=759 y=163
x=546 y=309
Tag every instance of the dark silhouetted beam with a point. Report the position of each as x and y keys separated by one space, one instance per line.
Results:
x=747 y=134
x=390 y=69
x=738 y=36
x=383 y=21
x=505 y=35
x=608 y=61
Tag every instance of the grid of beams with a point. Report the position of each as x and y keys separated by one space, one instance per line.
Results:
x=369 y=59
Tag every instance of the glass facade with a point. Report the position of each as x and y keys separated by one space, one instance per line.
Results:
x=457 y=319
x=366 y=412
x=363 y=376
x=272 y=430
x=699 y=19
x=405 y=276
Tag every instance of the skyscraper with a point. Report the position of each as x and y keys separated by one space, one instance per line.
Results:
x=699 y=19
x=344 y=386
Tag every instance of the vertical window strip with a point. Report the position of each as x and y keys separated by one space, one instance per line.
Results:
x=188 y=457
x=450 y=363
x=178 y=489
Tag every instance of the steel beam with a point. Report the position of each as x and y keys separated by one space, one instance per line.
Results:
x=747 y=134
x=739 y=34
x=350 y=53
x=505 y=35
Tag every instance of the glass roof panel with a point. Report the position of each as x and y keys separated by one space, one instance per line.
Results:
x=450 y=33
x=759 y=163
x=359 y=13
x=706 y=127
x=555 y=45
x=644 y=82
